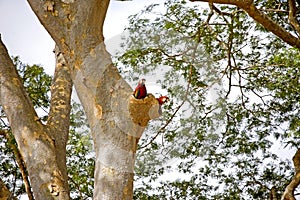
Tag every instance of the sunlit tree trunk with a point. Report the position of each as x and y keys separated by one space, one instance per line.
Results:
x=289 y=193
x=42 y=146
x=116 y=124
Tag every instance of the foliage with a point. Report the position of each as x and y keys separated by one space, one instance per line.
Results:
x=9 y=170
x=36 y=82
x=80 y=157
x=277 y=11
x=234 y=100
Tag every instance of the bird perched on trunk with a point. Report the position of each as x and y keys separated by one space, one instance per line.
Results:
x=162 y=99
x=140 y=91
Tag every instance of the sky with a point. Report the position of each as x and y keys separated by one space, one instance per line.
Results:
x=24 y=36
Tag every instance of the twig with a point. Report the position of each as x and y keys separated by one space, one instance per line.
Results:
x=182 y=103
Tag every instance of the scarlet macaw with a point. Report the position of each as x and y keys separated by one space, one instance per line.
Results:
x=140 y=91
x=163 y=99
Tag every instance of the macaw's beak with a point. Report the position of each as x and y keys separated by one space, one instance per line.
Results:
x=163 y=99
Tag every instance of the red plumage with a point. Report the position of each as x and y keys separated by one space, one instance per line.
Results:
x=163 y=99
x=140 y=91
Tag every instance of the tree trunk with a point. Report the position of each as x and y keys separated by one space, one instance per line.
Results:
x=76 y=27
x=42 y=147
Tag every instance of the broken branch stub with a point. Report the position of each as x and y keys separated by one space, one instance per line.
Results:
x=143 y=110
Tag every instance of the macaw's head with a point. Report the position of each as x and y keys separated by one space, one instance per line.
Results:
x=142 y=81
x=163 y=99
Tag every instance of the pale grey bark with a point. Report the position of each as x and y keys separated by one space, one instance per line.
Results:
x=77 y=28
x=42 y=147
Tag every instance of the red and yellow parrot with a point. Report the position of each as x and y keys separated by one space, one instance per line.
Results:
x=162 y=99
x=140 y=91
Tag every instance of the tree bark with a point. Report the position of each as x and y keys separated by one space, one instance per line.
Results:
x=77 y=28
x=295 y=182
x=42 y=147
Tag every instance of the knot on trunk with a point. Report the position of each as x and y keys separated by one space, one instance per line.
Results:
x=143 y=110
x=53 y=189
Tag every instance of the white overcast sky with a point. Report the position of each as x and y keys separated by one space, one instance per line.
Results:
x=24 y=36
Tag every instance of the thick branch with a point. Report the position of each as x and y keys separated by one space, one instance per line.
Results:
x=34 y=140
x=273 y=195
x=13 y=97
x=60 y=106
x=261 y=18
x=61 y=91
x=48 y=12
x=290 y=189
x=72 y=23
x=232 y=2
x=292 y=15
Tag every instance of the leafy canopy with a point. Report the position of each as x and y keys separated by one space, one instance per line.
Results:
x=234 y=101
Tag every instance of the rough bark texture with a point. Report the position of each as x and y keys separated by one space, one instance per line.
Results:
x=77 y=28
x=42 y=147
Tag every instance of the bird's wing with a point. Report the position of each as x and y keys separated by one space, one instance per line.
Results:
x=136 y=92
